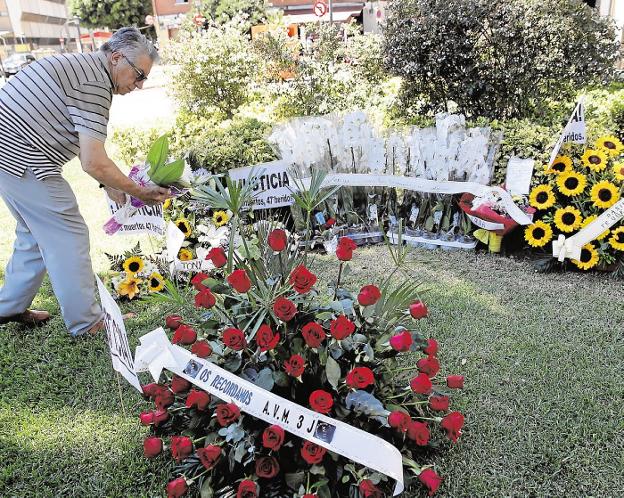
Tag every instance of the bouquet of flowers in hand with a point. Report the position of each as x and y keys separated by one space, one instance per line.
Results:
x=575 y=191
x=136 y=275
x=334 y=351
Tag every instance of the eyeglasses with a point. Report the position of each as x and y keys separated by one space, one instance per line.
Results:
x=140 y=74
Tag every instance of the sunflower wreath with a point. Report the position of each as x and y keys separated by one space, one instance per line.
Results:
x=577 y=190
x=136 y=275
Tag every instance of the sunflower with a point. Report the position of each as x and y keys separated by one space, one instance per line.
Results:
x=185 y=254
x=589 y=257
x=559 y=165
x=567 y=219
x=618 y=171
x=542 y=197
x=220 y=218
x=617 y=238
x=604 y=194
x=184 y=226
x=591 y=218
x=538 y=234
x=596 y=160
x=133 y=265
x=156 y=282
x=571 y=183
x=610 y=145
x=166 y=204
x=129 y=287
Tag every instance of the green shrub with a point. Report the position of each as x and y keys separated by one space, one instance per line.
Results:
x=132 y=144
x=497 y=59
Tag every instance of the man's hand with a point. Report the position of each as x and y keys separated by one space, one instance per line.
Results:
x=117 y=195
x=153 y=195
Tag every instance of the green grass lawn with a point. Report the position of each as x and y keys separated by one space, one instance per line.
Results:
x=542 y=355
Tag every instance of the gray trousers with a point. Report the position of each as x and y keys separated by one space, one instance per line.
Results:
x=51 y=235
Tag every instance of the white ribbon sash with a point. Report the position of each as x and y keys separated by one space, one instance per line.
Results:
x=156 y=352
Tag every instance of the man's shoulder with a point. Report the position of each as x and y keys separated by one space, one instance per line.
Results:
x=81 y=68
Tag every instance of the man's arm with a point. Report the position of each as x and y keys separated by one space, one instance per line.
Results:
x=96 y=163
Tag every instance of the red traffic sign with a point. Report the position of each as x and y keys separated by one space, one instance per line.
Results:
x=199 y=20
x=320 y=8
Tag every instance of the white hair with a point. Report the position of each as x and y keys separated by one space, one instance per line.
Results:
x=130 y=42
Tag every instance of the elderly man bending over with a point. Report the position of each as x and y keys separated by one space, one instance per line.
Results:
x=51 y=111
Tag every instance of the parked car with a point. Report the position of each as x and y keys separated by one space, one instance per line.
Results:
x=15 y=62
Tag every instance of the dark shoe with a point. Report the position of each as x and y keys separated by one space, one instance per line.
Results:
x=29 y=318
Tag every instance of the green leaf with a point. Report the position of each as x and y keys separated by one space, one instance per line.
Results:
x=206 y=490
x=168 y=173
x=332 y=369
x=158 y=153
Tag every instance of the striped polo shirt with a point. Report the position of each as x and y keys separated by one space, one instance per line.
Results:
x=45 y=106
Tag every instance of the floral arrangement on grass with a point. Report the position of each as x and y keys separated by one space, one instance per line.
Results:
x=575 y=192
x=334 y=351
x=135 y=275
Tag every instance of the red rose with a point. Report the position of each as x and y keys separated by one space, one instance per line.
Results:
x=402 y=341
x=312 y=453
x=453 y=423
x=151 y=390
x=399 y=420
x=418 y=432
x=321 y=401
x=266 y=338
x=234 y=339
x=455 y=381
x=197 y=281
x=160 y=416
x=164 y=399
x=302 y=279
x=330 y=222
x=369 y=295
x=360 y=377
x=313 y=334
x=277 y=240
x=247 y=489
x=209 y=456
x=310 y=496
x=418 y=309
x=202 y=349
x=369 y=490
x=176 y=488
x=152 y=446
x=227 y=413
x=240 y=281
x=198 y=399
x=181 y=447
x=284 y=309
x=295 y=366
x=273 y=437
x=429 y=365
x=439 y=403
x=205 y=299
x=344 y=251
x=184 y=335
x=432 y=347
x=341 y=327
x=421 y=384
x=267 y=467
x=146 y=418
x=173 y=321
x=217 y=256
x=430 y=480
x=179 y=385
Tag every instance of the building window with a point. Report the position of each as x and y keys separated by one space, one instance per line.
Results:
x=181 y=1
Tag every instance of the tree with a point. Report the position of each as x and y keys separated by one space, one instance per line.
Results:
x=496 y=58
x=253 y=10
x=112 y=14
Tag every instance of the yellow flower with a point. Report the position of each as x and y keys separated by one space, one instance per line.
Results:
x=156 y=282
x=589 y=257
x=618 y=171
x=185 y=254
x=596 y=160
x=184 y=226
x=560 y=164
x=538 y=234
x=542 y=197
x=571 y=183
x=567 y=219
x=591 y=218
x=129 y=287
x=166 y=204
x=617 y=238
x=133 y=265
x=604 y=194
x=220 y=218
x=610 y=145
